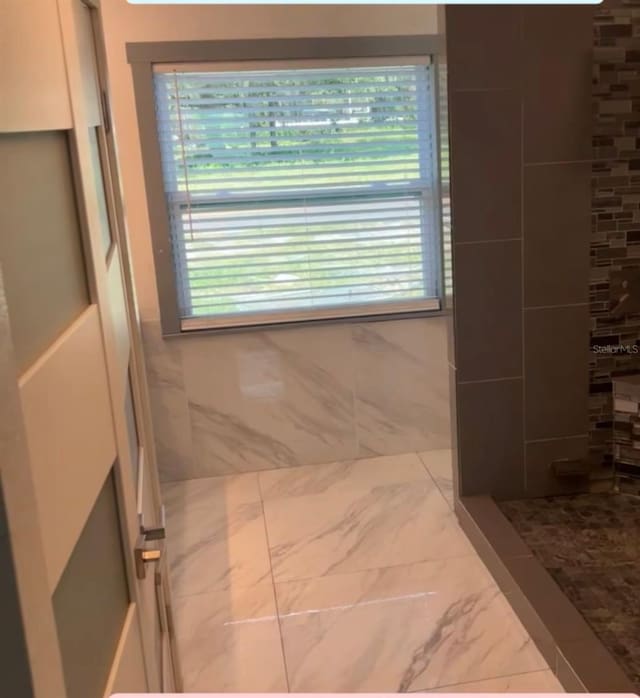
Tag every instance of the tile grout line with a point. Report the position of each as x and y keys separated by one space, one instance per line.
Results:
x=433 y=479
x=523 y=290
x=273 y=586
x=466 y=243
x=427 y=471
x=553 y=163
x=553 y=307
x=354 y=388
x=492 y=380
x=472 y=554
x=556 y=438
x=490 y=678
x=483 y=89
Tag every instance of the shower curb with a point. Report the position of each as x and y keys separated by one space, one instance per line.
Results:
x=573 y=651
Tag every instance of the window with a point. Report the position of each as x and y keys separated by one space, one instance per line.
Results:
x=299 y=191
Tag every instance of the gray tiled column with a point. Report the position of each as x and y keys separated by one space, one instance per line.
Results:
x=519 y=86
x=483 y=45
x=557 y=123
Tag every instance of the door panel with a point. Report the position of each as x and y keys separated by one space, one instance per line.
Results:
x=67 y=416
x=41 y=242
x=91 y=599
x=24 y=531
x=128 y=675
x=88 y=91
x=34 y=83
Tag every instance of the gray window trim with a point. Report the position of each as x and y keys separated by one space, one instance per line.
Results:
x=143 y=55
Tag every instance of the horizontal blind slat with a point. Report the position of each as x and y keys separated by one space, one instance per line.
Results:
x=402 y=273
x=210 y=210
x=271 y=181
x=212 y=272
x=198 y=234
x=399 y=130
x=352 y=241
x=294 y=107
x=309 y=154
x=413 y=283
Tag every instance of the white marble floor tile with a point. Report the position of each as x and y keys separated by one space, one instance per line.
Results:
x=341 y=477
x=215 y=534
x=532 y=682
x=378 y=589
x=440 y=466
x=227 y=491
x=401 y=629
x=315 y=535
x=230 y=641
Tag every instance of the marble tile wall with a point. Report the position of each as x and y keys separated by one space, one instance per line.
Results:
x=244 y=402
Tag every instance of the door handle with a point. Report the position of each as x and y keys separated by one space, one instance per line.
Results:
x=144 y=555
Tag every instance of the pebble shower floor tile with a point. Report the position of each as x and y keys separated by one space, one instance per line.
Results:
x=590 y=544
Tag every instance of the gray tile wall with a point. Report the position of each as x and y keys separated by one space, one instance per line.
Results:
x=520 y=133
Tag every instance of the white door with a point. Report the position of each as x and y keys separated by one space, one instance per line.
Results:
x=145 y=540
x=79 y=479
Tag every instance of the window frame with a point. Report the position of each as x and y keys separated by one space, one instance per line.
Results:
x=144 y=58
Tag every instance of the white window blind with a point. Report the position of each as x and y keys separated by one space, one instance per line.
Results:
x=299 y=193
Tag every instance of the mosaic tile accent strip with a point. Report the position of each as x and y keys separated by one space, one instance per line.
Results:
x=590 y=544
x=615 y=241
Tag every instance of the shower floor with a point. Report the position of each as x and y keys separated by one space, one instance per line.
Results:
x=590 y=544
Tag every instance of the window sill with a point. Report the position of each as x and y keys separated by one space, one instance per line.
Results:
x=204 y=327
